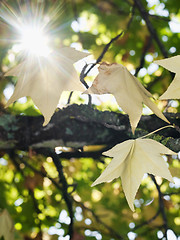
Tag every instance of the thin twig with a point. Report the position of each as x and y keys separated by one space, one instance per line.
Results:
x=161 y=206
x=85 y=72
x=142 y=60
x=150 y=27
x=112 y=232
x=31 y=192
x=69 y=98
x=105 y=49
x=39 y=172
x=148 y=221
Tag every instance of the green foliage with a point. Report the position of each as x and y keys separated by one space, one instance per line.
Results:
x=29 y=184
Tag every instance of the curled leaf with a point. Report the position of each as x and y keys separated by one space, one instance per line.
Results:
x=128 y=91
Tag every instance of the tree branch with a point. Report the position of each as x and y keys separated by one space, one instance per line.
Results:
x=66 y=195
x=85 y=72
x=57 y=185
x=80 y=125
x=150 y=27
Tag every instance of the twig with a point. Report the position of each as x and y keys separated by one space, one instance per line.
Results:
x=40 y=173
x=161 y=206
x=159 y=17
x=31 y=192
x=105 y=49
x=84 y=73
x=148 y=221
x=171 y=193
x=69 y=98
x=142 y=60
x=111 y=231
x=80 y=38
x=150 y=229
x=98 y=220
x=150 y=27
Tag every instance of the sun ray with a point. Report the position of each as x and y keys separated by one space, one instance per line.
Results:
x=32 y=26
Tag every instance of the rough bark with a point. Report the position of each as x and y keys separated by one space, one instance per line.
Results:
x=79 y=125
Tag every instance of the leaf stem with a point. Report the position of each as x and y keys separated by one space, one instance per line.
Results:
x=156 y=131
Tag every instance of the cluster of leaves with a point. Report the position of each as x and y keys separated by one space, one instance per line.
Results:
x=44 y=198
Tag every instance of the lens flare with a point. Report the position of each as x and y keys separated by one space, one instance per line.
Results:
x=30 y=25
x=34 y=41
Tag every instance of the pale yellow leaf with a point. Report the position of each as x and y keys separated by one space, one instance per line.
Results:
x=128 y=91
x=173 y=65
x=45 y=78
x=131 y=160
x=6 y=226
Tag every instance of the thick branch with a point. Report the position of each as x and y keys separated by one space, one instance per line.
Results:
x=80 y=125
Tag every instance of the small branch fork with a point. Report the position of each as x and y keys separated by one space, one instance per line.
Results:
x=85 y=72
x=105 y=49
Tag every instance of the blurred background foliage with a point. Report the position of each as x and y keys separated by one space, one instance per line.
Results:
x=29 y=187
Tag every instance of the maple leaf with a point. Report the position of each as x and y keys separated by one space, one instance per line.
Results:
x=173 y=65
x=45 y=78
x=128 y=91
x=133 y=158
x=6 y=226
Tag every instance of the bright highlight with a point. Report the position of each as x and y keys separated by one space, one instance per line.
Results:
x=34 y=41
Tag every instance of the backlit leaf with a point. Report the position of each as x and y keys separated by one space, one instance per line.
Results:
x=131 y=160
x=45 y=78
x=173 y=65
x=128 y=91
x=6 y=226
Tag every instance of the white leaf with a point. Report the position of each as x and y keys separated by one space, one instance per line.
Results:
x=173 y=65
x=6 y=226
x=133 y=158
x=45 y=78
x=128 y=91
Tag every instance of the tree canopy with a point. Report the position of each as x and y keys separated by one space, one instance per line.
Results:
x=46 y=171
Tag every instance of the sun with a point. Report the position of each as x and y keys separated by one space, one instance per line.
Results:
x=34 y=41
x=32 y=28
